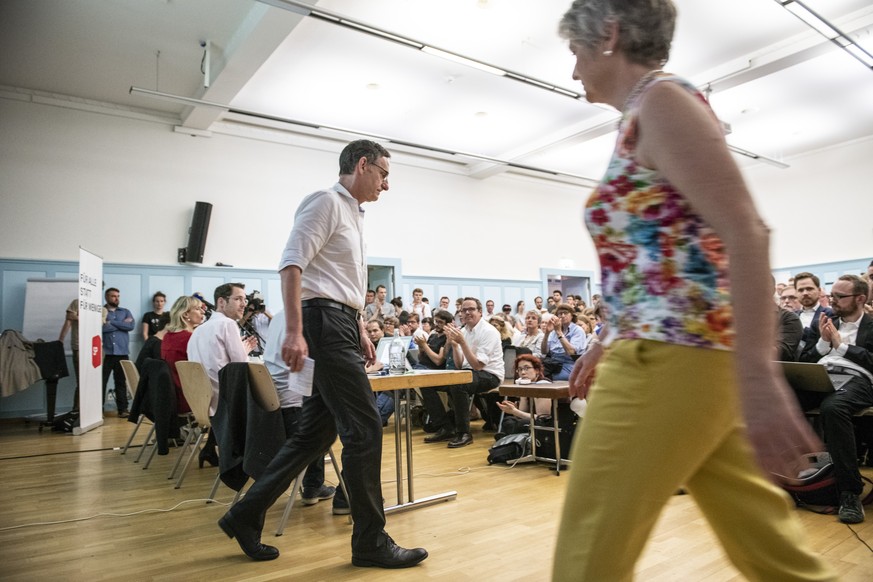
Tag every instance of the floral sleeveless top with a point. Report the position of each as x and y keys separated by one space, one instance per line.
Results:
x=663 y=269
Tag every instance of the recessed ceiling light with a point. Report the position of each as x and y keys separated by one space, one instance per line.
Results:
x=481 y=114
x=373 y=86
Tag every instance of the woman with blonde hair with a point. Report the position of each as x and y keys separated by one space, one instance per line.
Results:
x=185 y=315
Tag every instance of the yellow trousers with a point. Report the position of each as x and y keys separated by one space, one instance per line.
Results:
x=661 y=417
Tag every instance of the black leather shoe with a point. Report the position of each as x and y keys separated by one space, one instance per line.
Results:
x=208 y=456
x=443 y=434
x=462 y=440
x=390 y=555
x=248 y=539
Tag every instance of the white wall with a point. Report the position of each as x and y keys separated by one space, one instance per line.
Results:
x=820 y=209
x=125 y=189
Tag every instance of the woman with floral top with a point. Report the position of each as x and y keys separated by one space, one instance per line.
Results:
x=689 y=364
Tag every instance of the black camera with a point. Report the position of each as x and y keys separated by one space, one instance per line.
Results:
x=255 y=302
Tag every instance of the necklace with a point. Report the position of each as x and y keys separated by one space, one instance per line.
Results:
x=638 y=88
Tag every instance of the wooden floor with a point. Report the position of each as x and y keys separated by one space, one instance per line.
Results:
x=501 y=527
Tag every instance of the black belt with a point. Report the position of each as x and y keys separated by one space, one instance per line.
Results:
x=319 y=302
x=848 y=372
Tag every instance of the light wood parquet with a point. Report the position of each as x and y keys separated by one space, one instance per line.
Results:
x=501 y=527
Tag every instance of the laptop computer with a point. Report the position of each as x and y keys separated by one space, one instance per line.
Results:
x=812 y=377
x=383 y=350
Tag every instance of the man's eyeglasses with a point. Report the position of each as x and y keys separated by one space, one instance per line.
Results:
x=838 y=296
x=469 y=309
x=382 y=171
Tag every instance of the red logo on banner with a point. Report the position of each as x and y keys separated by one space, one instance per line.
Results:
x=96 y=351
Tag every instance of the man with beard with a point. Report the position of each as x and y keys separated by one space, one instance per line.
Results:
x=844 y=345
x=117 y=324
x=807 y=287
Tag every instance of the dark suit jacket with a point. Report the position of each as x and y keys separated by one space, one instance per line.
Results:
x=861 y=353
x=156 y=398
x=248 y=436
x=788 y=333
x=808 y=330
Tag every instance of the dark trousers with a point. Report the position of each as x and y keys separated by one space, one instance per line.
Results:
x=460 y=399
x=341 y=403
x=112 y=365
x=314 y=476
x=835 y=411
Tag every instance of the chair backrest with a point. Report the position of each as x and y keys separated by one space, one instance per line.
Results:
x=263 y=388
x=197 y=389
x=131 y=375
x=509 y=363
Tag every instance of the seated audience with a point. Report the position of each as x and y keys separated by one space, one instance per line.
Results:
x=217 y=342
x=528 y=370
x=427 y=325
x=788 y=299
x=518 y=316
x=845 y=345
x=475 y=347
x=502 y=326
x=389 y=324
x=808 y=289
x=384 y=400
x=565 y=342
x=432 y=349
x=418 y=306
x=379 y=308
x=531 y=336
x=185 y=315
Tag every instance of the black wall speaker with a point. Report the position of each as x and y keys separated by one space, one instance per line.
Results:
x=197 y=233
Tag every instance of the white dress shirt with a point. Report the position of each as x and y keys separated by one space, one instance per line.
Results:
x=484 y=341
x=837 y=357
x=215 y=344
x=327 y=243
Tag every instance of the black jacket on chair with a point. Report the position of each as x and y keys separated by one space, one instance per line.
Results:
x=156 y=399
x=248 y=436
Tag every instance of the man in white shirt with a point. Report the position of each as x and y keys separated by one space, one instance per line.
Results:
x=324 y=279
x=217 y=342
x=475 y=347
x=844 y=345
x=418 y=306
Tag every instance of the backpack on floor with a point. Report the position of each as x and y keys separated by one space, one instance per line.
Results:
x=818 y=490
x=509 y=448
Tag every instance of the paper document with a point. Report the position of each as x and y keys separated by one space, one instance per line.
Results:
x=301 y=382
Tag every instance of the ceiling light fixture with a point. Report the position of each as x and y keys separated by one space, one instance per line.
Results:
x=339 y=20
x=228 y=109
x=821 y=25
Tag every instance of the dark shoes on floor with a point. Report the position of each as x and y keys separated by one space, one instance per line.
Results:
x=340 y=504
x=208 y=456
x=123 y=414
x=389 y=555
x=439 y=436
x=462 y=440
x=313 y=495
x=249 y=540
x=851 y=510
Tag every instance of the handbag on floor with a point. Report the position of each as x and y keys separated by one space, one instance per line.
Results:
x=818 y=491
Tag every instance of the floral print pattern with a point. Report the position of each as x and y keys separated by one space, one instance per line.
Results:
x=663 y=269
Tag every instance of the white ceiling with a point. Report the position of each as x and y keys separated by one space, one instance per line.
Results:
x=783 y=88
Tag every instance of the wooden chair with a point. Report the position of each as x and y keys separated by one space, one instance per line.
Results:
x=131 y=376
x=198 y=392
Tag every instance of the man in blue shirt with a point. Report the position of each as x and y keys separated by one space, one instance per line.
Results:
x=117 y=326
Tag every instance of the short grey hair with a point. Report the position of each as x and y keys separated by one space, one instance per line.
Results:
x=362 y=148
x=645 y=27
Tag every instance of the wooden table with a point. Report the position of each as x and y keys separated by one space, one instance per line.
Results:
x=404 y=383
x=554 y=392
